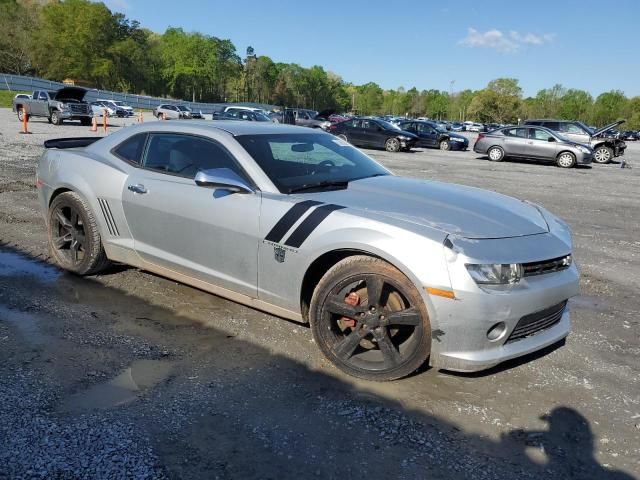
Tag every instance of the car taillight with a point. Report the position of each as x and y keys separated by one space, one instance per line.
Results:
x=480 y=136
x=332 y=127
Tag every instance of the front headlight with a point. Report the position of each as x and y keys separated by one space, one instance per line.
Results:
x=456 y=139
x=495 y=274
x=584 y=149
x=403 y=137
x=63 y=106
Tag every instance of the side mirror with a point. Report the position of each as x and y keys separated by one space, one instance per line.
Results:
x=223 y=179
x=551 y=139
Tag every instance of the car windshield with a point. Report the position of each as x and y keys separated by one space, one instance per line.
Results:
x=586 y=129
x=261 y=117
x=182 y=108
x=120 y=104
x=309 y=161
x=441 y=128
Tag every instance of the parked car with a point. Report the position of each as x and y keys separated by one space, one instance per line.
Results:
x=118 y=108
x=66 y=103
x=432 y=135
x=388 y=271
x=184 y=111
x=458 y=127
x=305 y=117
x=98 y=107
x=368 y=132
x=536 y=143
x=629 y=135
x=197 y=114
x=476 y=127
x=604 y=149
x=248 y=115
x=167 y=112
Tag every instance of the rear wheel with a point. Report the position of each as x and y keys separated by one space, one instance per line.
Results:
x=343 y=137
x=496 y=154
x=74 y=237
x=392 y=145
x=603 y=154
x=369 y=320
x=444 y=145
x=566 y=160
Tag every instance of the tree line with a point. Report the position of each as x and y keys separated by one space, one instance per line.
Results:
x=86 y=42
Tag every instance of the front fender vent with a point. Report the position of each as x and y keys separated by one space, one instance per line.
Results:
x=108 y=217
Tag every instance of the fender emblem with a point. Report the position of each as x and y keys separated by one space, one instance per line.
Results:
x=279 y=253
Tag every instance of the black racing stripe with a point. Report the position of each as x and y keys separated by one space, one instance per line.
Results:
x=309 y=224
x=288 y=219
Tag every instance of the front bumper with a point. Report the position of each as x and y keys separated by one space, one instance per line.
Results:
x=584 y=158
x=458 y=145
x=461 y=325
x=69 y=115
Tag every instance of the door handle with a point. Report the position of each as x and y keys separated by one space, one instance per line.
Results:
x=139 y=188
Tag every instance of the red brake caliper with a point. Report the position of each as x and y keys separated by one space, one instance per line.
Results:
x=352 y=299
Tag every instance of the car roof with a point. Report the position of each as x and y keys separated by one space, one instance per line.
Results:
x=549 y=120
x=235 y=127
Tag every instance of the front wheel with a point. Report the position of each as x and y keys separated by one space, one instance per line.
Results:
x=55 y=118
x=392 y=145
x=444 y=145
x=74 y=236
x=369 y=320
x=602 y=154
x=566 y=160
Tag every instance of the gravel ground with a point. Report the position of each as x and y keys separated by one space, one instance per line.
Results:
x=129 y=375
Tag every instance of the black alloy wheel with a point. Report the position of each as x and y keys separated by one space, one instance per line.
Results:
x=369 y=320
x=74 y=237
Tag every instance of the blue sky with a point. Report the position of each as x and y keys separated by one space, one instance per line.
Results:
x=591 y=45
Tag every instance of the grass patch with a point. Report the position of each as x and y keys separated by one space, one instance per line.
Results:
x=6 y=97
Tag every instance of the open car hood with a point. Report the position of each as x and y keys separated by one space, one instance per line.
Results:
x=606 y=128
x=70 y=93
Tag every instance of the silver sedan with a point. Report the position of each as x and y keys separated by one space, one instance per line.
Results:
x=537 y=143
x=388 y=271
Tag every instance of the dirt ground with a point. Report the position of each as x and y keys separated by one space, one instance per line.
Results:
x=130 y=375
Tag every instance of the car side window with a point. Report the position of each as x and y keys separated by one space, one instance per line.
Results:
x=570 y=128
x=424 y=128
x=36 y=94
x=43 y=96
x=131 y=149
x=186 y=155
x=537 y=134
x=516 y=132
x=552 y=126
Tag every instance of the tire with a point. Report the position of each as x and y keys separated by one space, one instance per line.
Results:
x=74 y=236
x=343 y=137
x=603 y=154
x=380 y=343
x=392 y=145
x=566 y=160
x=21 y=113
x=444 y=145
x=55 y=118
x=495 y=154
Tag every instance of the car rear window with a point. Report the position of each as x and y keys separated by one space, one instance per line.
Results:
x=131 y=149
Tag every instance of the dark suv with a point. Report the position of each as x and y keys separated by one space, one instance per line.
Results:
x=604 y=148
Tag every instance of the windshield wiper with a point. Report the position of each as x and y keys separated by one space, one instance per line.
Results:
x=320 y=185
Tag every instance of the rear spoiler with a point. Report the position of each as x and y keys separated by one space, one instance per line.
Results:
x=70 y=142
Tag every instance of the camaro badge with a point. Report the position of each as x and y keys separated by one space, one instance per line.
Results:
x=279 y=253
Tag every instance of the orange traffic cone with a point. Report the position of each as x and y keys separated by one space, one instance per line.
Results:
x=25 y=120
x=141 y=118
x=94 y=125
x=104 y=120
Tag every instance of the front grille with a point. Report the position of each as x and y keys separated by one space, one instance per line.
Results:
x=546 y=266
x=79 y=108
x=537 y=322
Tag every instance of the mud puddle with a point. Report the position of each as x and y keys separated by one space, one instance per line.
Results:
x=133 y=381
x=14 y=264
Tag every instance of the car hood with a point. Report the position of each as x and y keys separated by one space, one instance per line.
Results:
x=606 y=128
x=454 y=209
x=402 y=132
x=70 y=93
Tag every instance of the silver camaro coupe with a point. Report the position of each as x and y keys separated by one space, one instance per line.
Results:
x=388 y=271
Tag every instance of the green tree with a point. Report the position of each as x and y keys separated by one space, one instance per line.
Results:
x=575 y=105
x=17 y=23
x=608 y=107
x=500 y=102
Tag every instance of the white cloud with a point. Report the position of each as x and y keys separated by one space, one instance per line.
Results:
x=503 y=43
